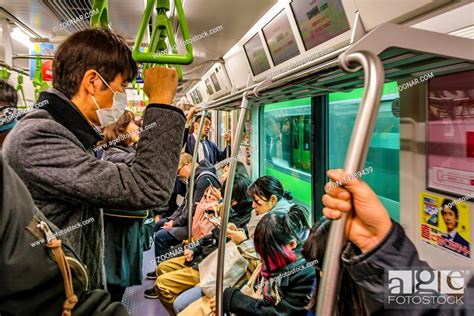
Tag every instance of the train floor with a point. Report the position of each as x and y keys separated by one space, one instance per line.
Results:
x=133 y=299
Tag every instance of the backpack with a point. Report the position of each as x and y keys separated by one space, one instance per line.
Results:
x=58 y=270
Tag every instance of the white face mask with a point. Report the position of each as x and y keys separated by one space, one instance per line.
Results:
x=111 y=115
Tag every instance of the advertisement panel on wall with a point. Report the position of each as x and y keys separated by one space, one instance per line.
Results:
x=445 y=223
x=450 y=133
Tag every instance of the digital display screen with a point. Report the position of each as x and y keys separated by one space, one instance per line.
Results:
x=215 y=82
x=319 y=20
x=209 y=87
x=280 y=39
x=256 y=55
x=450 y=134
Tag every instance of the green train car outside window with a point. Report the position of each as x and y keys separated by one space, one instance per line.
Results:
x=384 y=152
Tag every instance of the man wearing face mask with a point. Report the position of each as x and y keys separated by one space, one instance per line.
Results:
x=52 y=148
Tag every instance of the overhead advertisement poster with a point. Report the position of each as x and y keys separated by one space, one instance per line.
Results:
x=445 y=223
x=319 y=20
x=450 y=134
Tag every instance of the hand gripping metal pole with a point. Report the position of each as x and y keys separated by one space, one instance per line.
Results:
x=355 y=161
x=193 y=172
x=227 y=200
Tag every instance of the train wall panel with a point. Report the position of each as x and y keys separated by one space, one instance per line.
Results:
x=413 y=180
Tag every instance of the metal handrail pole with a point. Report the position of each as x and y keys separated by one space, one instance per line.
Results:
x=227 y=201
x=355 y=160
x=193 y=173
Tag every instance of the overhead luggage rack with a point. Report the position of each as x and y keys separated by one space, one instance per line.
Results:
x=404 y=51
x=369 y=62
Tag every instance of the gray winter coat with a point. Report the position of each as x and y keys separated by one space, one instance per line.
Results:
x=52 y=150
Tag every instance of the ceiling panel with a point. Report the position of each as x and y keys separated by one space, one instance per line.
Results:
x=235 y=18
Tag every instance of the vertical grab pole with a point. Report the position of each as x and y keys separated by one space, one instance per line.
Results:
x=355 y=161
x=193 y=172
x=227 y=200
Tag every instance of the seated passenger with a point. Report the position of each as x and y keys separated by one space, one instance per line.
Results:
x=8 y=109
x=349 y=300
x=287 y=279
x=207 y=150
x=268 y=195
x=179 y=274
x=180 y=186
x=378 y=244
x=52 y=148
x=174 y=228
x=123 y=241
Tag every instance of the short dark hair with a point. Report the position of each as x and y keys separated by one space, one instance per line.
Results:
x=450 y=204
x=197 y=119
x=96 y=48
x=8 y=95
x=240 y=188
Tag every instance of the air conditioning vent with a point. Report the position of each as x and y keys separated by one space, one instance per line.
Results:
x=70 y=10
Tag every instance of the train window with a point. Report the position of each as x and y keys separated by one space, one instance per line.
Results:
x=384 y=150
x=285 y=146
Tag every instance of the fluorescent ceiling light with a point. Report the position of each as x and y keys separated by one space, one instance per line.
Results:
x=18 y=35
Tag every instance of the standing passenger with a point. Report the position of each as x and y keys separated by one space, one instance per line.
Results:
x=52 y=148
x=123 y=243
x=8 y=110
x=207 y=150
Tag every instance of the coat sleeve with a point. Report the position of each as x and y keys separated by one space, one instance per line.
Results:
x=63 y=170
x=220 y=155
x=117 y=156
x=396 y=251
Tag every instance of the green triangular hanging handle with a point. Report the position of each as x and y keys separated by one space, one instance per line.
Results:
x=100 y=17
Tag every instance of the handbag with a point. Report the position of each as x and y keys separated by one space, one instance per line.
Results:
x=249 y=287
x=202 y=226
x=234 y=268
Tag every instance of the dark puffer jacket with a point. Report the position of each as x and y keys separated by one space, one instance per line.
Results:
x=295 y=292
x=394 y=253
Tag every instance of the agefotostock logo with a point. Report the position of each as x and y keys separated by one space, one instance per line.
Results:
x=421 y=288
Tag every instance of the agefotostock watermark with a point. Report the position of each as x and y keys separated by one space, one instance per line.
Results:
x=21 y=112
x=424 y=288
x=63 y=231
x=279 y=277
x=193 y=39
x=123 y=137
x=301 y=62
